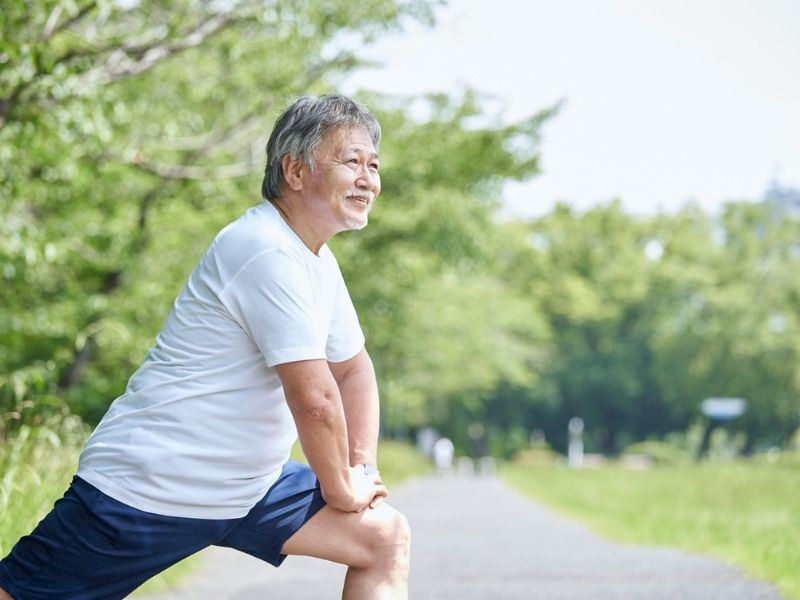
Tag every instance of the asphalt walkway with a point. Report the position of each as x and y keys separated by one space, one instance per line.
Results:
x=476 y=539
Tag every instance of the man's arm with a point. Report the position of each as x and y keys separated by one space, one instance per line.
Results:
x=313 y=398
x=358 y=388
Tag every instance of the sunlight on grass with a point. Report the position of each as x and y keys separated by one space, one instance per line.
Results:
x=745 y=513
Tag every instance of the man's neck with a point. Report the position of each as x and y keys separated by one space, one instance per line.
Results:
x=300 y=224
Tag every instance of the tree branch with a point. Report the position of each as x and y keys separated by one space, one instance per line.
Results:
x=52 y=27
x=120 y=65
x=231 y=171
x=72 y=374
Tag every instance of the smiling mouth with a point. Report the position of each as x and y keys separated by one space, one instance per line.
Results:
x=363 y=200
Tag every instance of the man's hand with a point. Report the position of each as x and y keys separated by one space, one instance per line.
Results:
x=366 y=491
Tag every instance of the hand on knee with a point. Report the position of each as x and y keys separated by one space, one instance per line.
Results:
x=388 y=541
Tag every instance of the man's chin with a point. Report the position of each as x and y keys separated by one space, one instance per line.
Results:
x=356 y=224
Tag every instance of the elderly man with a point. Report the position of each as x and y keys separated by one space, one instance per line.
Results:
x=263 y=345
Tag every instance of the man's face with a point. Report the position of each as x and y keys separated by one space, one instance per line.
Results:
x=345 y=181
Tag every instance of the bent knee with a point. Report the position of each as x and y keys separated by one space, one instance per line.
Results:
x=387 y=536
x=392 y=528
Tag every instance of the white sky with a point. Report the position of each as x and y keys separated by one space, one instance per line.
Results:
x=666 y=100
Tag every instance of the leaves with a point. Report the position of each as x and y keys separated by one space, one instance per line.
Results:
x=132 y=132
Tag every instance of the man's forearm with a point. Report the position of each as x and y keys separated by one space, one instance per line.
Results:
x=359 y=392
x=312 y=395
x=321 y=429
x=362 y=412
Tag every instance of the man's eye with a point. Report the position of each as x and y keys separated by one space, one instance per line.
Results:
x=375 y=166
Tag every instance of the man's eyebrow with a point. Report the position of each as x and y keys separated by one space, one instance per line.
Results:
x=358 y=150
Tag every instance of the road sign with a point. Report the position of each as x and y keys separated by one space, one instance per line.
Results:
x=723 y=409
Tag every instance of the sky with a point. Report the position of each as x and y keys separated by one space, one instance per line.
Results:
x=665 y=101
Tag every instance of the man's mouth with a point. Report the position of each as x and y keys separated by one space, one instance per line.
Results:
x=361 y=199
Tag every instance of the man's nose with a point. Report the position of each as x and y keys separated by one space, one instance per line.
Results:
x=367 y=179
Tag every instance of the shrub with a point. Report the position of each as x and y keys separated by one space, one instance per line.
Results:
x=661 y=453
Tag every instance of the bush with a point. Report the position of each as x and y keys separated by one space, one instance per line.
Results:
x=537 y=456
x=661 y=453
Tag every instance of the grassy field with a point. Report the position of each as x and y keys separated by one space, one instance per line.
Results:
x=745 y=513
x=37 y=466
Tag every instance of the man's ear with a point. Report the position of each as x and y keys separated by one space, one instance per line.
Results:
x=293 y=171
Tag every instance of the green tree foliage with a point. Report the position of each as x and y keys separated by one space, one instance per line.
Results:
x=423 y=275
x=649 y=316
x=589 y=277
x=141 y=134
x=734 y=330
x=131 y=132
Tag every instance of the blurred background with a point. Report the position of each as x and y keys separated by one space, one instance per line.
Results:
x=590 y=210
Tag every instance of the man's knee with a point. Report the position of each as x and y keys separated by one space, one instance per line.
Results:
x=388 y=538
x=4 y=595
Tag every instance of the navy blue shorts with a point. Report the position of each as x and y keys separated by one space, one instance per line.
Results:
x=91 y=546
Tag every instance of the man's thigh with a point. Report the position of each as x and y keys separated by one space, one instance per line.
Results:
x=292 y=518
x=352 y=539
x=92 y=546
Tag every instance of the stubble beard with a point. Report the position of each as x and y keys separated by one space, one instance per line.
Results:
x=354 y=225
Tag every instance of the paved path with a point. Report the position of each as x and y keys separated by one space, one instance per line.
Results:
x=475 y=539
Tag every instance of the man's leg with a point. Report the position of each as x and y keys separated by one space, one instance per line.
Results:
x=292 y=518
x=92 y=546
x=4 y=595
x=374 y=544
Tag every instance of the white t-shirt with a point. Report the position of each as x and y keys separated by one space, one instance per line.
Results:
x=203 y=428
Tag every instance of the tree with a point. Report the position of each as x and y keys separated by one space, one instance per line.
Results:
x=135 y=131
x=736 y=333
x=424 y=275
x=130 y=133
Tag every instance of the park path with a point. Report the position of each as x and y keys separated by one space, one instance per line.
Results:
x=476 y=539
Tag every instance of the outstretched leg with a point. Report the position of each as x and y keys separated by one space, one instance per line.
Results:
x=374 y=544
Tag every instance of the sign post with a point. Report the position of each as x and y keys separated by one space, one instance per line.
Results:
x=718 y=411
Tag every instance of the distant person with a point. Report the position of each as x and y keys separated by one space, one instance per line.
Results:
x=477 y=440
x=262 y=345
x=479 y=445
x=443 y=452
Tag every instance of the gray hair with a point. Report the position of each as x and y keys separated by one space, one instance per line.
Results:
x=301 y=127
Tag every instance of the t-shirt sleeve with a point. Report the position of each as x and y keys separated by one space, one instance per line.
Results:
x=345 y=338
x=272 y=300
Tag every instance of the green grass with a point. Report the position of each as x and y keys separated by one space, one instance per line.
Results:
x=167 y=580
x=399 y=462
x=36 y=466
x=746 y=513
